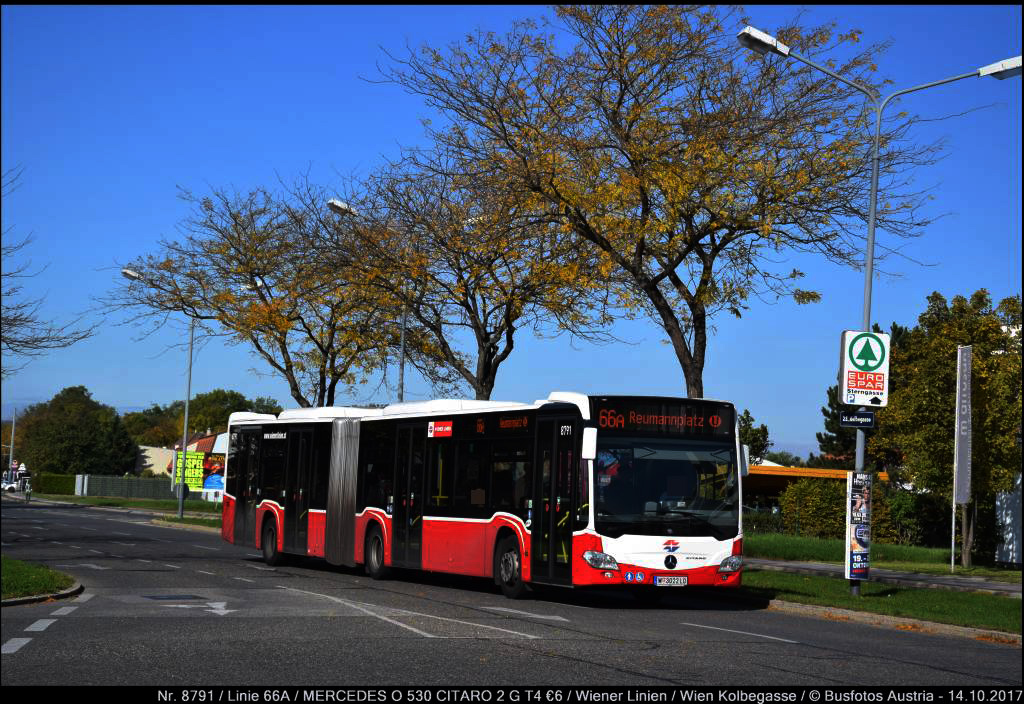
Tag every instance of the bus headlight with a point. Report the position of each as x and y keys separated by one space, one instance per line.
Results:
x=600 y=560
x=733 y=563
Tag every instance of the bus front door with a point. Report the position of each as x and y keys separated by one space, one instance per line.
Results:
x=550 y=553
x=248 y=487
x=407 y=516
x=297 y=488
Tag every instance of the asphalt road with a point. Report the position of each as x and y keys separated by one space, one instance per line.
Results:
x=172 y=606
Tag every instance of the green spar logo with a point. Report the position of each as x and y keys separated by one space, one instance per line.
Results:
x=869 y=355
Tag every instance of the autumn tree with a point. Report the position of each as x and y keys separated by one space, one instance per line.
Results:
x=246 y=269
x=917 y=426
x=471 y=267
x=690 y=167
x=23 y=332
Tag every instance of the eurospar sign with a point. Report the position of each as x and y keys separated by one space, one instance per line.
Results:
x=864 y=369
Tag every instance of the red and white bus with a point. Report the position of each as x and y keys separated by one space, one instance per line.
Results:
x=572 y=490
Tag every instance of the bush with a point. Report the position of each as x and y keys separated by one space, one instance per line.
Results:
x=53 y=484
x=814 y=508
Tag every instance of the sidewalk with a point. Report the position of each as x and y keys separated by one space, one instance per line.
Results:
x=904 y=579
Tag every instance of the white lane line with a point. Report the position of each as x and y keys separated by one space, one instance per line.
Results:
x=212 y=574
x=261 y=569
x=84 y=598
x=243 y=579
x=742 y=633
x=41 y=625
x=177 y=567
x=127 y=545
x=524 y=613
x=203 y=547
x=98 y=552
x=94 y=530
x=64 y=611
x=139 y=559
x=359 y=606
x=14 y=645
x=75 y=547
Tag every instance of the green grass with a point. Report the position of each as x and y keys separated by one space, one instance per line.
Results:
x=149 y=504
x=907 y=558
x=988 y=611
x=27 y=579
x=194 y=521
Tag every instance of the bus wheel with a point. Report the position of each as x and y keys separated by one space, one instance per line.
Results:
x=508 y=568
x=374 y=556
x=270 y=553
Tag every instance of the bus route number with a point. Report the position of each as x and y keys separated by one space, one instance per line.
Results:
x=565 y=430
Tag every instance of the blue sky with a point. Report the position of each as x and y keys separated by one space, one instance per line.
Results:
x=110 y=109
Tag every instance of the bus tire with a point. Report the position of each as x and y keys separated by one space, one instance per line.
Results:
x=271 y=555
x=508 y=568
x=374 y=554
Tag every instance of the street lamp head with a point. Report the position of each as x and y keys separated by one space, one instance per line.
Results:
x=762 y=43
x=1007 y=68
x=340 y=208
x=129 y=274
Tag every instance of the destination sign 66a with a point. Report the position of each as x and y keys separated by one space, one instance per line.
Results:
x=864 y=368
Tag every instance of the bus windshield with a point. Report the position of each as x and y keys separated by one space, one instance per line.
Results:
x=659 y=486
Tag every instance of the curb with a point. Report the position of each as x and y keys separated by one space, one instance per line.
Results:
x=896 y=622
x=74 y=590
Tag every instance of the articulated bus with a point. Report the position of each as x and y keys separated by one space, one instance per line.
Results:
x=572 y=490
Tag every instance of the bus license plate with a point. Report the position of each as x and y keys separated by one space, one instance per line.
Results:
x=670 y=581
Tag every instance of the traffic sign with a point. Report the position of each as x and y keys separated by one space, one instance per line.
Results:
x=864 y=368
x=856 y=419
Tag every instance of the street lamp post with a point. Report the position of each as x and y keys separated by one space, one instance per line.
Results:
x=135 y=276
x=340 y=208
x=764 y=43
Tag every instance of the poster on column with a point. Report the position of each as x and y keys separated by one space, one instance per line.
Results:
x=858 y=525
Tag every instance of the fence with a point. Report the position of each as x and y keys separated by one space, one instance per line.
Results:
x=127 y=487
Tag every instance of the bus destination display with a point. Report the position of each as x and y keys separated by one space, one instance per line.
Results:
x=655 y=416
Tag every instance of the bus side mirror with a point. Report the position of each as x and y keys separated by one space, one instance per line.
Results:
x=745 y=460
x=589 y=450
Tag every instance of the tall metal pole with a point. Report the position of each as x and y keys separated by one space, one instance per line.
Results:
x=184 y=431
x=763 y=43
x=10 y=449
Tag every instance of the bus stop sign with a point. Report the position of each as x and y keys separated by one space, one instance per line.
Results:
x=864 y=369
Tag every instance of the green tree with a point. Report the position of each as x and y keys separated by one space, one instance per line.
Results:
x=73 y=434
x=161 y=426
x=916 y=431
x=689 y=167
x=755 y=437
x=786 y=459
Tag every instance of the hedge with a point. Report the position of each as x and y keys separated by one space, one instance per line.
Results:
x=54 y=484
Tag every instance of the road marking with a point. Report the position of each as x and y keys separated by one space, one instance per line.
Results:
x=262 y=569
x=524 y=613
x=41 y=625
x=203 y=547
x=14 y=645
x=243 y=579
x=117 y=532
x=177 y=567
x=212 y=574
x=94 y=530
x=64 y=611
x=360 y=607
x=98 y=552
x=127 y=545
x=84 y=598
x=85 y=564
x=216 y=607
x=139 y=559
x=75 y=547
x=743 y=633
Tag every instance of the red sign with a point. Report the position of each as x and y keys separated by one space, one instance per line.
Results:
x=865 y=381
x=439 y=429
